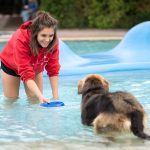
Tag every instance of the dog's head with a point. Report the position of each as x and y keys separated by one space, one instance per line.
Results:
x=93 y=81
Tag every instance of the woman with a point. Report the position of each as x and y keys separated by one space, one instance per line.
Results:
x=33 y=47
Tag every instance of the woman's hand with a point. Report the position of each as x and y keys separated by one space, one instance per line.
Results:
x=43 y=100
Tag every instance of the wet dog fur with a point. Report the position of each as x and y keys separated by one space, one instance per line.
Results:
x=118 y=111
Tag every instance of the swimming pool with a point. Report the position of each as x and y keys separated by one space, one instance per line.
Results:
x=26 y=125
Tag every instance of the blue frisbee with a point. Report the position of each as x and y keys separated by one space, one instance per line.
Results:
x=53 y=104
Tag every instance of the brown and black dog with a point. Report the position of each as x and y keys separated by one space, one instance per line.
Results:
x=118 y=111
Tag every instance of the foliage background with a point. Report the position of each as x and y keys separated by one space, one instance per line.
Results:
x=98 y=13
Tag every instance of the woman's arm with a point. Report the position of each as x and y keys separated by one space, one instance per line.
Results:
x=54 y=86
x=36 y=91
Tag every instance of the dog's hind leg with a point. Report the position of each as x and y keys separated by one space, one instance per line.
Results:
x=106 y=122
x=137 y=126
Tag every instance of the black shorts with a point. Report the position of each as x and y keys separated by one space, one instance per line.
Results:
x=8 y=70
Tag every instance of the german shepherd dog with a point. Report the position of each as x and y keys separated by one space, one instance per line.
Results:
x=108 y=112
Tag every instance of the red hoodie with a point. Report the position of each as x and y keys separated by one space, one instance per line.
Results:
x=17 y=56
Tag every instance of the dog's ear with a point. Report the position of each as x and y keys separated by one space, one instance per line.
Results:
x=105 y=85
x=80 y=86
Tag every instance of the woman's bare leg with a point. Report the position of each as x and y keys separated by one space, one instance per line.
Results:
x=10 y=85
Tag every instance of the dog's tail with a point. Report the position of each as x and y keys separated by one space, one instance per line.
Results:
x=137 y=125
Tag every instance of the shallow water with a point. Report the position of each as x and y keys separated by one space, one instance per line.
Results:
x=26 y=125
x=31 y=126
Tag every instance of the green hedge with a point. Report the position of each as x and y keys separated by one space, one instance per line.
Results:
x=98 y=13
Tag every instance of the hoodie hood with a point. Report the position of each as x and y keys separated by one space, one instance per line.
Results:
x=26 y=25
x=25 y=31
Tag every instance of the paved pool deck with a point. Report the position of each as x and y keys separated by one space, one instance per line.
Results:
x=10 y=23
x=78 y=34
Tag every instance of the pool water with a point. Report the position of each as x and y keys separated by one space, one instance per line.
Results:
x=26 y=125
x=84 y=47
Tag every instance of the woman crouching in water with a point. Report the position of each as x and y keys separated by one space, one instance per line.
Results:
x=33 y=47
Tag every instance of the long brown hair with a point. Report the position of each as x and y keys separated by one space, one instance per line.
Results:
x=43 y=19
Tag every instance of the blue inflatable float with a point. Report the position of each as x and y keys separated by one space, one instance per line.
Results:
x=135 y=46
x=133 y=52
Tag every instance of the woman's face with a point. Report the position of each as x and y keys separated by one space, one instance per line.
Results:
x=45 y=36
